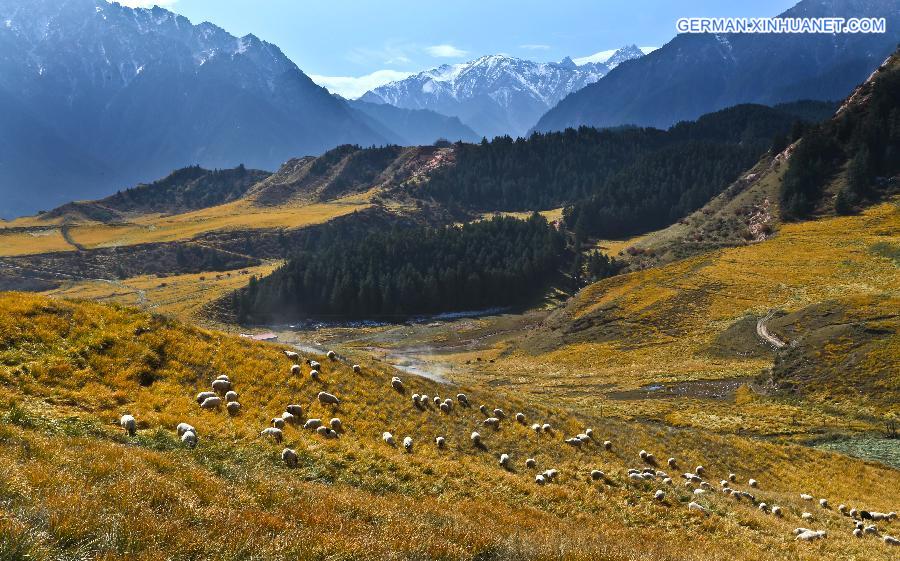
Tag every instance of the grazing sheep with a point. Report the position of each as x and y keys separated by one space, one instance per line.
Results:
x=312 y=424
x=873 y=529
x=221 y=386
x=692 y=478
x=463 y=399
x=636 y=476
x=223 y=377
x=397 y=384
x=276 y=433
x=857 y=532
x=289 y=418
x=806 y=516
x=292 y=355
x=314 y=365
x=596 y=474
x=296 y=370
x=440 y=441
x=723 y=483
x=295 y=410
x=388 y=439
x=128 y=423
x=492 y=422
x=233 y=407
x=326 y=398
x=444 y=407
x=449 y=402
x=699 y=491
x=672 y=463
x=407 y=443
x=811 y=535
x=183 y=428
x=763 y=507
x=573 y=442
x=667 y=480
x=231 y=396
x=546 y=427
x=314 y=374
x=278 y=423
x=700 y=470
x=583 y=437
x=698 y=508
x=732 y=477
x=520 y=418
x=336 y=425
x=326 y=432
x=424 y=400
x=504 y=460
x=551 y=474
x=189 y=439
x=842 y=508
x=891 y=540
x=499 y=414
x=882 y=516
x=776 y=510
x=531 y=463
x=823 y=503
x=357 y=368
x=853 y=513
x=705 y=485
x=798 y=531
x=752 y=483
x=437 y=400
x=211 y=403
x=536 y=428
x=331 y=355
x=659 y=495
x=540 y=479
x=483 y=409
x=607 y=445
x=806 y=497
x=476 y=438
x=201 y=397
x=289 y=457
x=860 y=525
x=589 y=433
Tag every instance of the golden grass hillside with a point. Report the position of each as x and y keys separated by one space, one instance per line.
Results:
x=74 y=486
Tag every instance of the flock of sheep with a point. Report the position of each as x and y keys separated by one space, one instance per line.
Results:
x=293 y=415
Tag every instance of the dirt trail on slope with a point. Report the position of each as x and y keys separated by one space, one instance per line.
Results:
x=764 y=334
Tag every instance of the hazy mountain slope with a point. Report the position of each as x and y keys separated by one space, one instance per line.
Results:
x=697 y=74
x=411 y=127
x=496 y=94
x=145 y=91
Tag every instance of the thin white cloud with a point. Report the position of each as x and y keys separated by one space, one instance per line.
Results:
x=445 y=51
x=535 y=47
x=603 y=56
x=352 y=87
x=144 y=3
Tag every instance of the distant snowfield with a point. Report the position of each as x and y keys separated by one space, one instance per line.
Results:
x=352 y=87
x=604 y=56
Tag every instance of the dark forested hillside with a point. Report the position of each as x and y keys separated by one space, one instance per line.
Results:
x=408 y=271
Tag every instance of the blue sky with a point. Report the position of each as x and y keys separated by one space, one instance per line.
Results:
x=351 y=45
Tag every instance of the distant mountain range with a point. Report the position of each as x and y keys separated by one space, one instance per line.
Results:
x=95 y=96
x=696 y=74
x=497 y=94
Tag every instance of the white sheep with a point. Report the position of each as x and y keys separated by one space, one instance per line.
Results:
x=806 y=516
x=698 y=508
x=326 y=432
x=278 y=423
x=520 y=418
x=573 y=442
x=397 y=384
x=853 y=513
x=408 y=443
x=546 y=427
x=589 y=433
x=672 y=463
x=312 y=424
x=551 y=474
x=492 y=422
x=607 y=445
x=437 y=400
x=201 y=397
x=596 y=474
x=667 y=480
x=440 y=442
x=314 y=374
x=463 y=399
x=763 y=507
x=211 y=403
x=732 y=477
x=276 y=433
x=296 y=370
x=583 y=437
x=292 y=355
x=752 y=483
x=872 y=529
x=531 y=463
x=388 y=439
x=811 y=535
x=536 y=428
x=806 y=497
x=823 y=503
x=357 y=368
x=699 y=491
x=231 y=396
x=223 y=377
x=183 y=428
x=891 y=540
x=221 y=386
x=476 y=438
x=336 y=425
x=314 y=365
x=483 y=409
x=499 y=414
x=128 y=423
x=326 y=398
x=504 y=460
x=295 y=410
x=659 y=495
x=233 y=407
x=289 y=457
x=700 y=470
x=776 y=510
x=289 y=418
x=331 y=355
x=424 y=400
x=540 y=479
x=189 y=439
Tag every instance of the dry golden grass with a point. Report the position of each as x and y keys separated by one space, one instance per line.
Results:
x=74 y=486
x=37 y=241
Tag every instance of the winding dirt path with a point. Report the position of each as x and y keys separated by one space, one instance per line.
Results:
x=764 y=333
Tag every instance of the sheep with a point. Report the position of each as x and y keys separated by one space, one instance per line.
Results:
x=659 y=495
x=211 y=403
x=705 y=485
x=798 y=531
x=326 y=398
x=520 y=418
x=811 y=535
x=823 y=503
x=128 y=423
x=314 y=365
x=296 y=370
x=397 y=384
x=476 y=438
x=331 y=355
x=596 y=474
x=700 y=470
x=295 y=410
x=699 y=491
x=806 y=497
x=540 y=479
x=483 y=409
x=289 y=457
x=504 y=460
x=463 y=399
x=776 y=510
x=748 y=496
x=444 y=407
x=357 y=368
x=872 y=529
x=231 y=396
x=698 y=508
x=763 y=507
x=607 y=445
x=437 y=400
x=221 y=386
x=667 y=480
x=859 y=526
x=806 y=516
x=723 y=483
x=314 y=374
x=492 y=422
x=233 y=407
x=891 y=540
x=589 y=433
x=531 y=463
x=499 y=414
x=752 y=483
x=672 y=463
x=292 y=355
x=408 y=443
x=274 y=432
x=692 y=478
x=424 y=400
x=536 y=428
x=440 y=442
x=853 y=513
x=636 y=476
x=573 y=442
x=388 y=439
x=278 y=423
x=189 y=439
x=882 y=515
x=201 y=397
x=289 y=418
x=336 y=425
x=326 y=432
x=312 y=424
x=583 y=437
x=551 y=474
x=183 y=428
x=223 y=377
